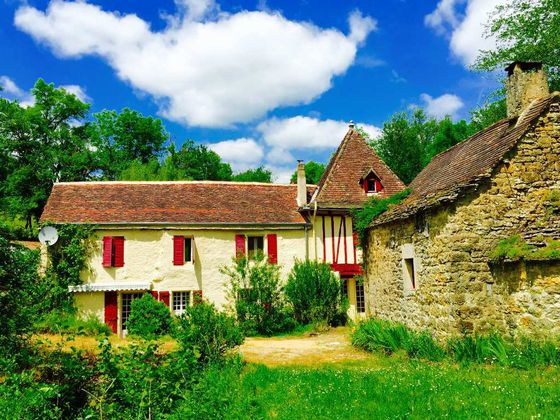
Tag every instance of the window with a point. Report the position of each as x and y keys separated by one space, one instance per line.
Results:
x=255 y=244
x=188 y=250
x=127 y=299
x=371 y=185
x=345 y=288
x=360 y=297
x=181 y=300
x=409 y=272
x=113 y=251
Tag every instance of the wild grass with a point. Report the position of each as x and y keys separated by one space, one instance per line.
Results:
x=390 y=337
x=61 y=322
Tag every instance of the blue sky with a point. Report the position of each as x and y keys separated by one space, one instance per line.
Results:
x=261 y=82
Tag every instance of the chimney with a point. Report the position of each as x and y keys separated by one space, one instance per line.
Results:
x=301 y=185
x=526 y=82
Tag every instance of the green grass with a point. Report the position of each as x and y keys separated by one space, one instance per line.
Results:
x=403 y=390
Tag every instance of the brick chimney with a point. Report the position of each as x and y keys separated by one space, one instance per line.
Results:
x=301 y=184
x=526 y=82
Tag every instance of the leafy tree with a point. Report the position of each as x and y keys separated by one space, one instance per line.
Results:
x=125 y=137
x=313 y=173
x=489 y=114
x=525 y=30
x=41 y=144
x=196 y=161
x=260 y=174
x=448 y=134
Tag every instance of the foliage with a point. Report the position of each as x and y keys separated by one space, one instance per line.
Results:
x=41 y=144
x=18 y=277
x=121 y=138
x=315 y=293
x=61 y=322
x=68 y=257
x=488 y=114
x=373 y=208
x=313 y=173
x=390 y=337
x=260 y=174
x=515 y=248
x=255 y=293
x=149 y=318
x=524 y=30
x=196 y=161
x=207 y=333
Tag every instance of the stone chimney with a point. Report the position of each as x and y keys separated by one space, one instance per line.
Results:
x=301 y=185
x=526 y=82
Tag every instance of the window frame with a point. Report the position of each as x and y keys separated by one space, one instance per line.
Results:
x=360 y=297
x=190 y=240
x=187 y=302
x=125 y=314
x=251 y=253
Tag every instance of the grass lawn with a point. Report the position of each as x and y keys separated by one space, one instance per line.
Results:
x=400 y=389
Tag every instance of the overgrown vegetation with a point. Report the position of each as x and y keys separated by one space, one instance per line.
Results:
x=149 y=318
x=255 y=293
x=68 y=323
x=515 y=248
x=373 y=208
x=390 y=337
x=315 y=294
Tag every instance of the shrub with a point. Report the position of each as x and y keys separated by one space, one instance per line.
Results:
x=149 y=318
x=256 y=295
x=315 y=293
x=62 y=322
x=207 y=333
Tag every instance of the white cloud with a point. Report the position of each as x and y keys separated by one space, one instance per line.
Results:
x=442 y=106
x=298 y=133
x=278 y=155
x=78 y=91
x=241 y=154
x=233 y=68
x=465 y=29
x=10 y=87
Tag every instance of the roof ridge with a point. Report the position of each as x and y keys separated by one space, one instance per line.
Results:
x=205 y=182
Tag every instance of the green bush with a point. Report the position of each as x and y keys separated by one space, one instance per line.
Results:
x=315 y=293
x=149 y=318
x=207 y=333
x=255 y=292
x=62 y=322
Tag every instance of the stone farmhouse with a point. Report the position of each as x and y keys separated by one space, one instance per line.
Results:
x=171 y=238
x=429 y=261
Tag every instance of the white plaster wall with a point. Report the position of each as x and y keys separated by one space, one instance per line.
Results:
x=327 y=245
x=91 y=304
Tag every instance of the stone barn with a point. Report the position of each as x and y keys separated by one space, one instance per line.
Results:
x=434 y=260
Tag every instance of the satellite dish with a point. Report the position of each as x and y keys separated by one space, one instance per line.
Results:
x=48 y=235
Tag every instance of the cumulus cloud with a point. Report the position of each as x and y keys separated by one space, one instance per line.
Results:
x=463 y=23
x=241 y=154
x=442 y=106
x=12 y=91
x=204 y=72
x=78 y=91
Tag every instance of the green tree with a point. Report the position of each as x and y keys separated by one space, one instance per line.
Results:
x=196 y=161
x=41 y=144
x=125 y=137
x=525 y=30
x=313 y=173
x=260 y=174
x=448 y=134
x=488 y=114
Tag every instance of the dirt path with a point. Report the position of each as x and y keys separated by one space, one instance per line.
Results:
x=331 y=347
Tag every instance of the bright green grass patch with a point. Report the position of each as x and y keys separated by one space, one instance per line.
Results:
x=515 y=249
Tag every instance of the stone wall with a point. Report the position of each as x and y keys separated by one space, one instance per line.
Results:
x=457 y=288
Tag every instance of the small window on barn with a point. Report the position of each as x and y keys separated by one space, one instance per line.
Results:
x=409 y=274
x=255 y=245
x=372 y=184
x=188 y=250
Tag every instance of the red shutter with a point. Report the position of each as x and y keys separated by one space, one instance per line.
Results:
x=378 y=186
x=178 y=250
x=365 y=185
x=118 y=244
x=164 y=297
x=272 y=248
x=111 y=310
x=197 y=297
x=154 y=294
x=107 y=251
x=239 y=245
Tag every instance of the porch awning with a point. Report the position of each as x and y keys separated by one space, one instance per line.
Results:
x=114 y=287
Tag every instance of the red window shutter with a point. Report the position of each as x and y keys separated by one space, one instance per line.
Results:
x=107 y=251
x=118 y=245
x=197 y=297
x=178 y=250
x=111 y=310
x=164 y=297
x=365 y=185
x=154 y=294
x=272 y=248
x=239 y=245
x=378 y=186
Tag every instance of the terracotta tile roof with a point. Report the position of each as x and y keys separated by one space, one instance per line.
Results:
x=204 y=202
x=466 y=164
x=340 y=187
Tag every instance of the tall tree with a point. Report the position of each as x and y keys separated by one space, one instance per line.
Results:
x=126 y=137
x=196 y=161
x=260 y=174
x=313 y=173
x=41 y=144
x=525 y=30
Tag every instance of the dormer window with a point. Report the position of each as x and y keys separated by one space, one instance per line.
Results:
x=371 y=184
